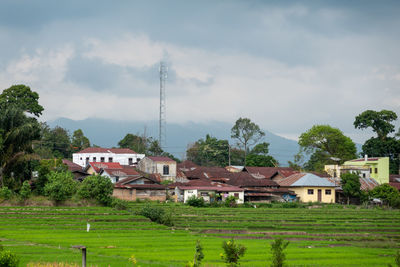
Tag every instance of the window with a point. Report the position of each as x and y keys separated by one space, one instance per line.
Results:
x=130 y=160
x=138 y=159
x=81 y=158
x=236 y=195
x=328 y=192
x=94 y=159
x=110 y=159
x=370 y=170
x=102 y=159
x=334 y=174
x=376 y=170
x=311 y=191
x=363 y=175
x=87 y=160
x=165 y=169
x=116 y=179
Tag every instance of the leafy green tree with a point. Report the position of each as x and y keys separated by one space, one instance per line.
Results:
x=60 y=186
x=79 y=141
x=17 y=132
x=21 y=97
x=8 y=258
x=97 y=187
x=155 y=148
x=258 y=156
x=382 y=145
x=327 y=145
x=297 y=163
x=351 y=185
x=135 y=142
x=247 y=133
x=232 y=252
x=209 y=152
x=198 y=256
x=379 y=121
x=46 y=166
x=278 y=255
x=25 y=190
x=388 y=194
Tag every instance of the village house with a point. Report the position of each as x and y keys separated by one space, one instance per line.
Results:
x=124 y=156
x=378 y=166
x=163 y=166
x=310 y=188
x=140 y=187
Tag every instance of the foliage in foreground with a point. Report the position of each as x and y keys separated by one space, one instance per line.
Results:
x=97 y=187
x=8 y=258
x=157 y=214
x=396 y=259
x=232 y=252
x=196 y=201
x=198 y=256
x=278 y=255
x=388 y=194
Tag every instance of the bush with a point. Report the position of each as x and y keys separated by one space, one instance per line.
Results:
x=232 y=252
x=230 y=201
x=25 y=190
x=97 y=187
x=157 y=214
x=198 y=256
x=278 y=256
x=60 y=186
x=7 y=258
x=119 y=204
x=5 y=193
x=196 y=201
x=388 y=194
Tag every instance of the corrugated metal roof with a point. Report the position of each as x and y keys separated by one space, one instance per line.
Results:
x=310 y=179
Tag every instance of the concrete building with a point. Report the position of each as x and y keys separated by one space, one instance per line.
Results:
x=378 y=167
x=310 y=188
x=164 y=166
x=123 y=156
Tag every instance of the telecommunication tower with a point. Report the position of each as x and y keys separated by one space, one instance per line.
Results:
x=162 y=135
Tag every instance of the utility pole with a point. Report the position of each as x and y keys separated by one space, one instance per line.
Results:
x=162 y=121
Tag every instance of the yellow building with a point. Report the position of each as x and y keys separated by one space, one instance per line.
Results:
x=310 y=187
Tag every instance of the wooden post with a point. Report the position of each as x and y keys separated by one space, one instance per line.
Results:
x=83 y=248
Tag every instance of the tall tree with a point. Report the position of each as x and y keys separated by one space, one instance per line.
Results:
x=79 y=141
x=382 y=145
x=350 y=183
x=327 y=145
x=209 y=152
x=379 y=121
x=247 y=133
x=135 y=142
x=17 y=131
x=258 y=156
x=21 y=97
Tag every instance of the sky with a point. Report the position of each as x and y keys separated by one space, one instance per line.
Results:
x=286 y=65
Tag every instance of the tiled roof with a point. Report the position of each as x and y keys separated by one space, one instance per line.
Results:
x=142 y=186
x=72 y=166
x=395 y=185
x=207 y=172
x=305 y=179
x=107 y=150
x=186 y=165
x=122 y=172
x=245 y=179
x=394 y=177
x=268 y=172
x=127 y=180
x=160 y=159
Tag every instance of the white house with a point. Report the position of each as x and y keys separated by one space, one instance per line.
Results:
x=123 y=156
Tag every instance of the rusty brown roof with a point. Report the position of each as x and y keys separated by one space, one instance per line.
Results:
x=268 y=172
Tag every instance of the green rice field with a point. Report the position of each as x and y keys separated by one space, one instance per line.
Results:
x=319 y=236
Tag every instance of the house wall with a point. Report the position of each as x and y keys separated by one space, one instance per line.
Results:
x=149 y=166
x=302 y=193
x=132 y=194
x=91 y=171
x=188 y=193
x=240 y=200
x=123 y=159
x=379 y=168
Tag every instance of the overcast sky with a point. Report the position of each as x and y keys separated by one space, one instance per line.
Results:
x=286 y=65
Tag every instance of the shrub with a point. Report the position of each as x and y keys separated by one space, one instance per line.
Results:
x=7 y=258
x=232 y=252
x=119 y=204
x=388 y=194
x=396 y=259
x=5 y=193
x=198 y=256
x=60 y=186
x=278 y=255
x=25 y=190
x=157 y=214
x=97 y=187
x=230 y=201
x=196 y=201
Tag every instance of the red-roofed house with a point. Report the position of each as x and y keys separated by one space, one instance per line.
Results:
x=164 y=166
x=124 y=156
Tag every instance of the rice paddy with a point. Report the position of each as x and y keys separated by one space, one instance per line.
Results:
x=328 y=235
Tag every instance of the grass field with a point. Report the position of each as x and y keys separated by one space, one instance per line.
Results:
x=322 y=236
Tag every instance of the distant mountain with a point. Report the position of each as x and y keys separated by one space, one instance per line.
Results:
x=107 y=133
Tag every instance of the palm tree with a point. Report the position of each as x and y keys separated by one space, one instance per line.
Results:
x=17 y=131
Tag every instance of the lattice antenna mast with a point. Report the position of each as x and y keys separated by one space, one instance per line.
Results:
x=162 y=135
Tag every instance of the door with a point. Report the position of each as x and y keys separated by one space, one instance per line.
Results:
x=319 y=195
